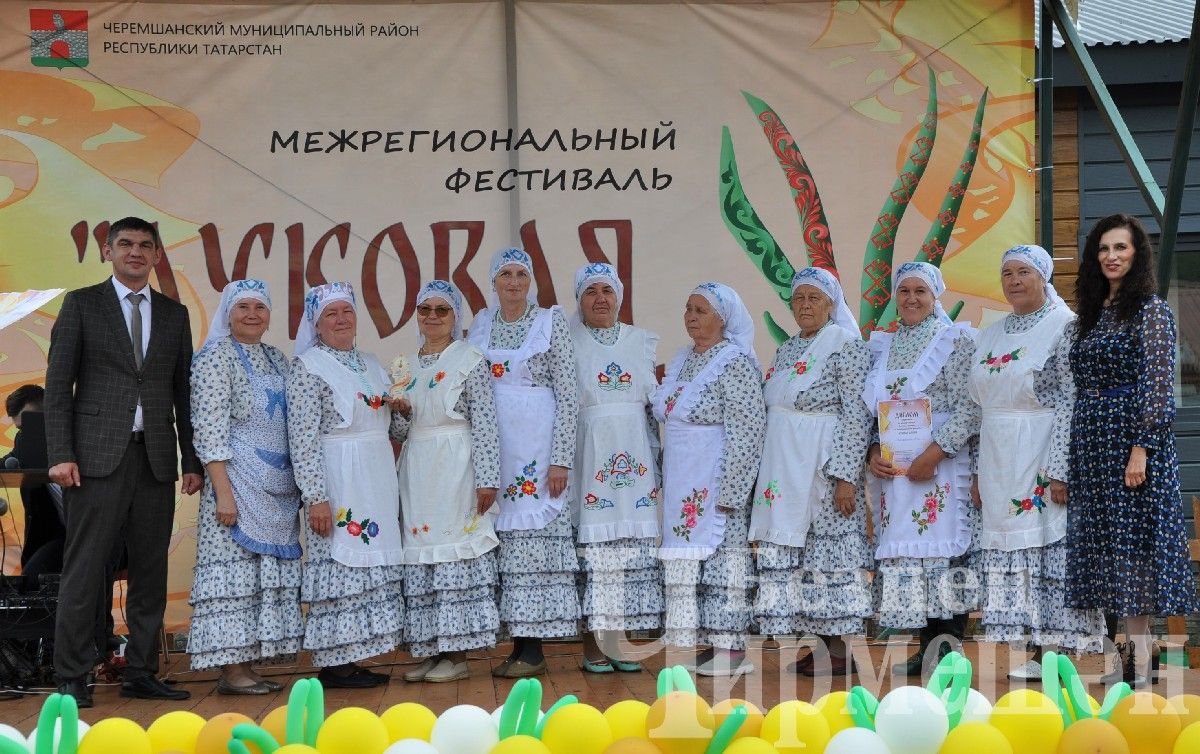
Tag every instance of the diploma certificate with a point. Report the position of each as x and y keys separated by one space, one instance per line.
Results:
x=905 y=430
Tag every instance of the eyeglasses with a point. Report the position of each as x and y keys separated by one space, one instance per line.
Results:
x=441 y=311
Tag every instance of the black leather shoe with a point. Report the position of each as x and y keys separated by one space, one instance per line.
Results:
x=79 y=690
x=355 y=679
x=149 y=687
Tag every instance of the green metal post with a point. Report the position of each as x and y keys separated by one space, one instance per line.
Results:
x=1045 y=126
x=1108 y=109
x=1189 y=98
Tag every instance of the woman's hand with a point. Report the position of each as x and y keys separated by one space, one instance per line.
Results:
x=725 y=509
x=485 y=498
x=1058 y=492
x=226 y=508
x=925 y=465
x=402 y=405
x=843 y=498
x=558 y=480
x=320 y=519
x=975 y=498
x=879 y=467
x=1135 y=470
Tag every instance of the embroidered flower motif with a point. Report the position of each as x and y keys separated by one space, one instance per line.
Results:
x=374 y=401
x=425 y=528
x=435 y=379
x=769 y=374
x=672 y=399
x=621 y=470
x=799 y=368
x=647 y=501
x=594 y=503
x=524 y=484
x=366 y=530
x=996 y=363
x=689 y=512
x=769 y=495
x=895 y=387
x=499 y=368
x=1036 y=502
x=935 y=503
x=614 y=378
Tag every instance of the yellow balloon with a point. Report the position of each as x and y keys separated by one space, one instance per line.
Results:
x=577 y=729
x=795 y=727
x=1029 y=720
x=296 y=749
x=1095 y=705
x=1149 y=724
x=214 y=736
x=833 y=708
x=520 y=745
x=632 y=746
x=175 y=732
x=751 y=726
x=1188 y=707
x=627 y=719
x=1094 y=736
x=680 y=723
x=275 y=723
x=975 y=738
x=408 y=720
x=750 y=745
x=115 y=734
x=352 y=730
x=1188 y=741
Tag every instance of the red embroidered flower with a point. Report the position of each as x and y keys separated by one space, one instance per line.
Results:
x=425 y=528
x=603 y=378
x=1006 y=358
x=415 y=530
x=528 y=487
x=1026 y=504
x=590 y=499
x=932 y=517
x=1039 y=491
x=690 y=522
x=930 y=504
x=497 y=370
x=801 y=367
x=689 y=509
x=439 y=377
x=769 y=493
x=354 y=528
x=626 y=378
x=770 y=372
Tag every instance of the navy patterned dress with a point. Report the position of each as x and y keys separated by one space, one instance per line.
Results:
x=1128 y=551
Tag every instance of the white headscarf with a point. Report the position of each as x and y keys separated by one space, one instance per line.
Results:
x=738 y=326
x=505 y=257
x=596 y=272
x=825 y=281
x=932 y=277
x=1037 y=258
x=315 y=302
x=234 y=292
x=443 y=290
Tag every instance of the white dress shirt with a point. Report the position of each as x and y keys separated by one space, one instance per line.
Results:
x=127 y=311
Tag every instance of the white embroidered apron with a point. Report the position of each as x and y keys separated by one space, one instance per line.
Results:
x=693 y=527
x=616 y=484
x=360 y=476
x=525 y=414
x=791 y=479
x=1014 y=439
x=920 y=519
x=438 y=506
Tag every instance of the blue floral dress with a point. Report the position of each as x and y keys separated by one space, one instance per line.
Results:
x=1128 y=550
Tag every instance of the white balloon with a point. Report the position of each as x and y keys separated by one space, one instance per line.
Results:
x=411 y=746
x=977 y=710
x=856 y=741
x=11 y=733
x=910 y=720
x=465 y=729
x=31 y=742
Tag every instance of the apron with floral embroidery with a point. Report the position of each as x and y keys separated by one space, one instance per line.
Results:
x=617 y=483
x=693 y=527
x=525 y=414
x=919 y=519
x=1014 y=438
x=260 y=469
x=791 y=479
x=437 y=479
x=360 y=476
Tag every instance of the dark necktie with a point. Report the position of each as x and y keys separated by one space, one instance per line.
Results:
x=135 y=327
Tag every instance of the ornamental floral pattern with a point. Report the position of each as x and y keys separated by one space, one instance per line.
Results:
x=797 y=369
x=689 y=514
x=614 y=378
x=499 y=368
x=374 y=401
x=935 y=503
x=621 y=470
x=648 y=501
x=593 y=503
x=996 y=363
x=895 y=387
x=417 y=531
x=524 y=484
x=672 y=399
x=1036 y=500
x=435 y=379
x=769 y=495
x=770 y=373
x=366 y=530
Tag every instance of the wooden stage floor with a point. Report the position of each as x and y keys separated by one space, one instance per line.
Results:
x=765 y=687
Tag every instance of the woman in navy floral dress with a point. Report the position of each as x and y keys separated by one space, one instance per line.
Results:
x=1128 y=551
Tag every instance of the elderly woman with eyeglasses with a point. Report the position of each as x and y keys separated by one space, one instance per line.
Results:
x=449 y=470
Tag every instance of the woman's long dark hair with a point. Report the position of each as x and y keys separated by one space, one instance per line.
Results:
x=1091 y=287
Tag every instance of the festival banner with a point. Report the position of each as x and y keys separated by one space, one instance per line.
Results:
x=387 y=144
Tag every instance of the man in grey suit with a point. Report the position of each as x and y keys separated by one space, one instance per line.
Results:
x=117 y=392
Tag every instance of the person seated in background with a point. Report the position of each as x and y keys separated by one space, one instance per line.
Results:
x=44 y=529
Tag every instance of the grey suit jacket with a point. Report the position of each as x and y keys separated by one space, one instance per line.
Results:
x=92 y=386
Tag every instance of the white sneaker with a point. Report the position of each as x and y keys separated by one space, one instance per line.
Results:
x=419 y=672
x=447 y=671
x=722 y=664
x=1030 y=671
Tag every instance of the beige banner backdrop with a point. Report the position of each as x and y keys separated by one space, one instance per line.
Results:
x=385 y=144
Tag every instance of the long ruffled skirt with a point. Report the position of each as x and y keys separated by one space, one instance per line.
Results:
x=451 y=607
x=538 y=595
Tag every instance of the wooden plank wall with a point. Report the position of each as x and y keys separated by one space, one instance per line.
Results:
x=1066 y=192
